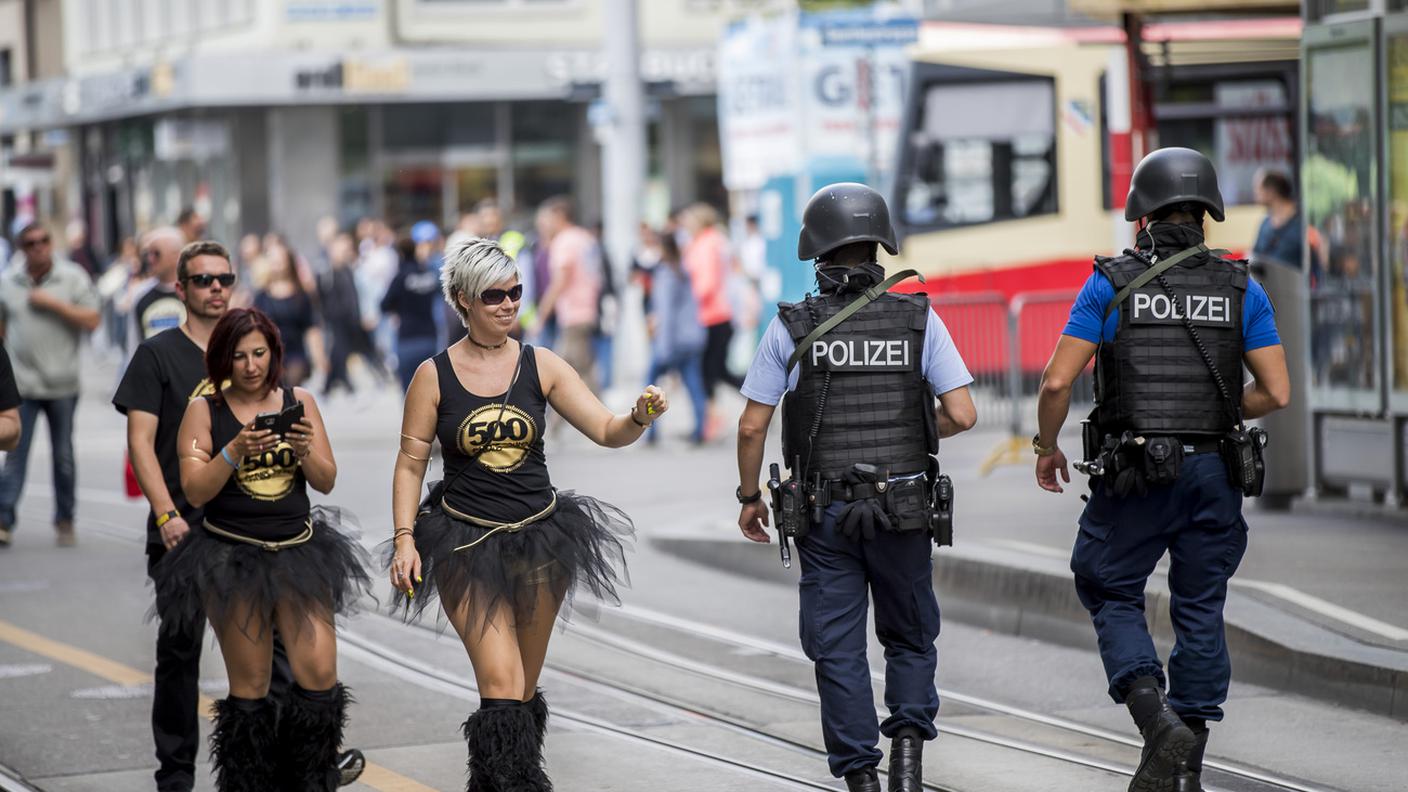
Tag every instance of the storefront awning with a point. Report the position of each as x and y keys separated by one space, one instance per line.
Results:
x=253 y=79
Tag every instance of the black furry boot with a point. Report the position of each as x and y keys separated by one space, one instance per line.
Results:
x=242 y=745
x=538 y=705
x=310 y=731
x=504 y=753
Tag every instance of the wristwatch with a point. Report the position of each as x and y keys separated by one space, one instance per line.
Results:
x=747 y=499
x=166 y=517
x=1040 y=450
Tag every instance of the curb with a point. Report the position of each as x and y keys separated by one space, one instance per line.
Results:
x=1034 y=597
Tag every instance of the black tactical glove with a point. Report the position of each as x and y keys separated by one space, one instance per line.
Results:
x=860 y=519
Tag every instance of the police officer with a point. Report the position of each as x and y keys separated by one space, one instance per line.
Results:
x=1170 y=324
x=859 y=431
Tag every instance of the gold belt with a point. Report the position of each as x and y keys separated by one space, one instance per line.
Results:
x=496 y=527
x=263 y=544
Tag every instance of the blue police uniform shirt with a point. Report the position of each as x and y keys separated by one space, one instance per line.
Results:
x=1088 y=315
x=768 y=378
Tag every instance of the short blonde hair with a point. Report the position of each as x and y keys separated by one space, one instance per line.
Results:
x=471 y=266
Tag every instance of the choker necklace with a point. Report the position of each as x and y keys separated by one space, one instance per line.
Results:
x=470 y=336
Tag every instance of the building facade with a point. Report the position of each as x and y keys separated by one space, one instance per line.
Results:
x=267 y=115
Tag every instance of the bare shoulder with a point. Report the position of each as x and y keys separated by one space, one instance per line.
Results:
x=306 y=396
x=550 y=366
x=425 y=385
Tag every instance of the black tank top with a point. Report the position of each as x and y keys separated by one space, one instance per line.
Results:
x=267 y=498
x=507 y=481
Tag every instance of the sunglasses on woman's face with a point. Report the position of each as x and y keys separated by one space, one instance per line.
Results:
x=496 y=296
x=204 y=281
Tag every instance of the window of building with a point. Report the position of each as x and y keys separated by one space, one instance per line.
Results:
x=437 y=126
x=981 y=147
x=543 y=137
x=6 y=76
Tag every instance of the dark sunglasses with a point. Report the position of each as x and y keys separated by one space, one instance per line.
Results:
x=36 y=242
x=496 y=296
x=205 y=281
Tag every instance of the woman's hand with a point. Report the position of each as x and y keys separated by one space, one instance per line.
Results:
x=301 y=438
x=405 y=565
x=651 y=405
x=251 y=441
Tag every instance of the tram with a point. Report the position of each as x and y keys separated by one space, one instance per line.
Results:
x=1015 y=149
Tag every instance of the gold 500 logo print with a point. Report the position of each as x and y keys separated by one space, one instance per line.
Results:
x=507 y=441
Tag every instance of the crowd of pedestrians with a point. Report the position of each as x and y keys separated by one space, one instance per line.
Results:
x=371 y=296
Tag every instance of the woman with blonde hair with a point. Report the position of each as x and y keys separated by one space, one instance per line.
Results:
x=501 y=547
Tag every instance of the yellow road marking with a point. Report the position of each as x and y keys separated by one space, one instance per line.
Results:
x=375 y=776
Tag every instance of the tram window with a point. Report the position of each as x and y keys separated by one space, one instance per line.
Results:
x=980 y=151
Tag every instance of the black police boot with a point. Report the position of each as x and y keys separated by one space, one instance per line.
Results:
x=863 y=781
x=1167 y=740
x=1191 y=779
x=504 y=754
x=906 y=761
x=242 y=745
x=310 y=731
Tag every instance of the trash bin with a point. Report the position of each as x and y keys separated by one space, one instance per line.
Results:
x=1288 y=456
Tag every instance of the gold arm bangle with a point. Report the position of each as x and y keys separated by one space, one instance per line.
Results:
x=409 y=455
x=405 y=436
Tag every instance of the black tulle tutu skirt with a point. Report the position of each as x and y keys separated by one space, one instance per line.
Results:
x=580 y=547
x=209 y=576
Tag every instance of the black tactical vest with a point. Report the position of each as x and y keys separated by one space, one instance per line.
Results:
x=878 y=408
x=1151 y=378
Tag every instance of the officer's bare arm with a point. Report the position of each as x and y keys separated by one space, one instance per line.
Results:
x=1071 y=357
x=956 y=412
x=752 y=438
x=9 y=429
x=1271 y=389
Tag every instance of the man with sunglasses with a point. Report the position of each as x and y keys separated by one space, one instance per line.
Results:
x=166 y=372
x=46 y=305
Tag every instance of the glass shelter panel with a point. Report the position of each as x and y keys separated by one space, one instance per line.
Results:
x=1397 y=229
x=1338 y=185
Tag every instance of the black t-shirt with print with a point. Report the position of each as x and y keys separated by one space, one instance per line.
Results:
x=9 y=393
x=167 y=371
x=158 y=310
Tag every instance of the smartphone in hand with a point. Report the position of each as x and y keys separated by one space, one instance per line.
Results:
x=282 y=422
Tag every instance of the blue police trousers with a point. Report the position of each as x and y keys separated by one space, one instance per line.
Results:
x=897 y=570
x=1198 y=521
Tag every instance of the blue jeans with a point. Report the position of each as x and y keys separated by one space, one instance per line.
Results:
x=691 y=370
x=1198 y=521
x=59 y=414
x=896 y=570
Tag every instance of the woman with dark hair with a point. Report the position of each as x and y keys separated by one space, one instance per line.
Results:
x=500 y=546
x=263 y=559
x=287 y=303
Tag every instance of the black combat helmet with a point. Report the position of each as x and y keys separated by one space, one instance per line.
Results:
x=1171 y=176
x=840 y=214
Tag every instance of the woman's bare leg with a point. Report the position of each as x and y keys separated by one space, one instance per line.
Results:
x=493 y=649
x=311 y=641
x=247 y=644
x=533 y=636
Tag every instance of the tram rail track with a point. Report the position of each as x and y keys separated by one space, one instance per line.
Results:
x=1219 y=776
x=1217 y=773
